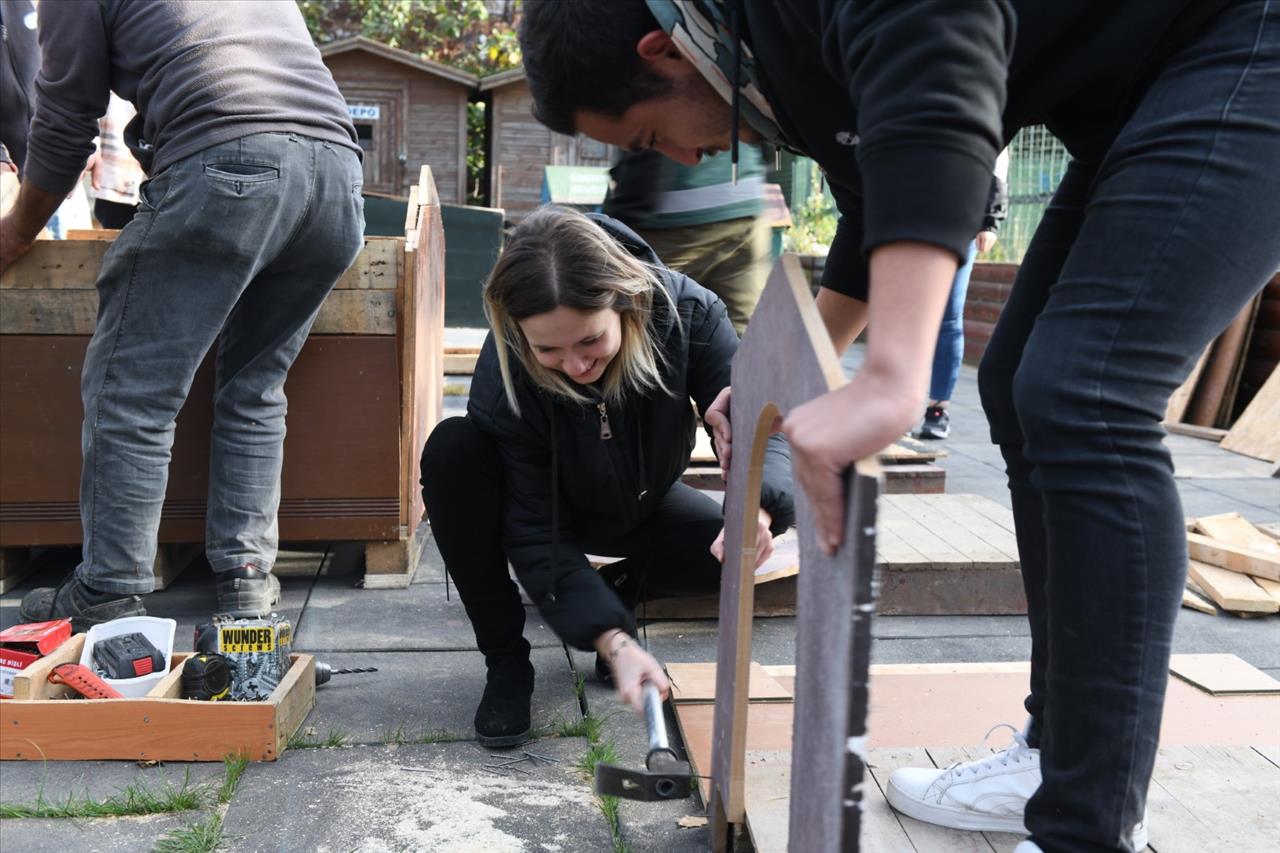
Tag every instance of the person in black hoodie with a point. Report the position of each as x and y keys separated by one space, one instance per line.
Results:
x=1163 y=226
x=578 y=428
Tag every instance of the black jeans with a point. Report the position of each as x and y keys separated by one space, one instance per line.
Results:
x=1140 y=261
x=462 y=486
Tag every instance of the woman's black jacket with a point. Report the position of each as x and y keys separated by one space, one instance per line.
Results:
x=607 y=487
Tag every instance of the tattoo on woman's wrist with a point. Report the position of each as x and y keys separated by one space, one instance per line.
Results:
x=617 y=643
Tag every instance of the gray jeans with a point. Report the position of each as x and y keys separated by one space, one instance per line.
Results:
x=239 y=245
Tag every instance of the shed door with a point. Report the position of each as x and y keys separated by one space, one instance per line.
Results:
x=376 y=115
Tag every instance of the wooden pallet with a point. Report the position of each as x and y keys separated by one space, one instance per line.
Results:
x=935 y=555
x=41 y=723
x=1216 y=772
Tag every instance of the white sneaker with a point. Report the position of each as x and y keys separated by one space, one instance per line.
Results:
x=986 y=795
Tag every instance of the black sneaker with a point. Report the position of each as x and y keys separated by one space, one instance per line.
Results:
x=503 y=716
x=83 y=605
x=937 y=424
x=246 y=592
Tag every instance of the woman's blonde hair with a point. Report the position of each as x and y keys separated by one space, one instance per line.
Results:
x=556 y=257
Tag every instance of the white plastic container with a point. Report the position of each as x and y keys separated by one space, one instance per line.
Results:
x=159 y=631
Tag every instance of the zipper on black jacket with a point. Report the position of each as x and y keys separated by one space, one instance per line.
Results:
x=606 y=432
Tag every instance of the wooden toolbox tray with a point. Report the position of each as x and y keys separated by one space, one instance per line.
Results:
x=40 y=723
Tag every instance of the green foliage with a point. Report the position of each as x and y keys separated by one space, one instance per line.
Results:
x=461 y=33
x=476 y=192
x=233 y=768
x=813 y=222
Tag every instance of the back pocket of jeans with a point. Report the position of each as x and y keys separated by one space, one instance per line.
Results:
x=240 y=175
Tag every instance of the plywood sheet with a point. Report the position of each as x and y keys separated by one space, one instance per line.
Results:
x=1221 y=674
x=696 y=682
x=1255 y=433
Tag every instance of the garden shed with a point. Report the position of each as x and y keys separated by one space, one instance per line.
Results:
x=407 y=111
x=519 y=147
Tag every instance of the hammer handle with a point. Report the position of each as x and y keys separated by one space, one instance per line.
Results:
x=655 y=722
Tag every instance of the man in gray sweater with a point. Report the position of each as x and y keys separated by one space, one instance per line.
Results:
x=252 y=212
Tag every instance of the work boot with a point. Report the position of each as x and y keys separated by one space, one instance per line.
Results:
x=83 y=605
x=246 y=592
x=503 y=716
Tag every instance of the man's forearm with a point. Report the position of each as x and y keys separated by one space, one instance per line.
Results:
x=844 y=317
x=32 y=211
x=910 y=283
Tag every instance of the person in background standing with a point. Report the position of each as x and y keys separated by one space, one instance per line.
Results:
x=115 y=172
x=949 y=352
x=699 y=222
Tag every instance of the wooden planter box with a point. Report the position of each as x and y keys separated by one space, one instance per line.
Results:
x=42 y=722
x=363 y=394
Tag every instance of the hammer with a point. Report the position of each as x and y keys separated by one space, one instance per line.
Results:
x=665 y=776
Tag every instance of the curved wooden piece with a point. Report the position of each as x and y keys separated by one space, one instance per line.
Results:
x=786 y=359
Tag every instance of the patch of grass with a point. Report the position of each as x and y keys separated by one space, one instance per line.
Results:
x=135 y=799
x=579 y=680
x=307 y=739
x=203 y=837
x=233 y=768
x=588 y=727
x=605 y=751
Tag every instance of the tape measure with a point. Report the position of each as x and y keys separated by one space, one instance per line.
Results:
x=206 y=677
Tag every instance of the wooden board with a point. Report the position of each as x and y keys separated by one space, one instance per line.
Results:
x=785 y=359
x=1248 y=561
x=1231 y=590
x=1255 y=432
x=1234 y=528
x=1221 y=675
x=696 y=682
x=1215 y=391
x=906 y=451
x=1177 y=407
x=1270 y=587
x=1214 y=434
x=1195 y=602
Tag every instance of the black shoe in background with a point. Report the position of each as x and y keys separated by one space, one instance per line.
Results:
x=83 y=605
x=937 y=424
x=503 y=717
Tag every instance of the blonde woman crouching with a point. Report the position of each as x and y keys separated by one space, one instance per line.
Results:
x=577 y=431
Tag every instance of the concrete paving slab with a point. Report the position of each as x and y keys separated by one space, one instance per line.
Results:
x=343 y=618
x=27 y=783
x=363 y=799
x=430 y=564
x=415 y=695
x=950 y=649
x=97 y=835
x=1258 y=499
x=645 y=827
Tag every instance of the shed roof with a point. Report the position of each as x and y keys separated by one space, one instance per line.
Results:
x=502 y=78
x=402 y=57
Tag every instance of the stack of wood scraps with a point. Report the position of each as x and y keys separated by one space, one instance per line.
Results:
x=1235 y=564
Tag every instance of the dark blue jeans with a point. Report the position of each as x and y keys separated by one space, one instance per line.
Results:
x=237 y=245
x=1141 y=260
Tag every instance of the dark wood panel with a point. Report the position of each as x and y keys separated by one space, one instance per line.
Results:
x=342 y=452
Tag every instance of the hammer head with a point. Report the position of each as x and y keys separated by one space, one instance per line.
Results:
x=670 y=781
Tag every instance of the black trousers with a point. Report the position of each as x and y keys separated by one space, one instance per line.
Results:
x=1140 y=261
x=462 y=486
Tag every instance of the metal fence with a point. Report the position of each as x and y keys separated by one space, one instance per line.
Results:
x=1037 y=161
